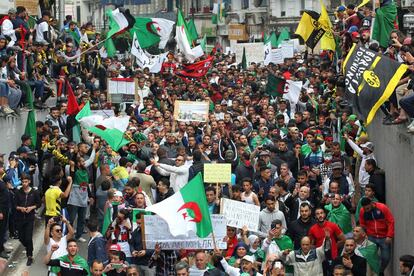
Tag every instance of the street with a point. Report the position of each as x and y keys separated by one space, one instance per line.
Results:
x=38 y=267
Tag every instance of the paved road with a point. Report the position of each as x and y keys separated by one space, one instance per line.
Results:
x=37 y=268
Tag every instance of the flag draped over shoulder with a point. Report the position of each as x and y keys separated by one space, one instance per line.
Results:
x=370 y=80
x=195 y=70
x=186 y=210
x=109 y=129
x=30 y=128
x=275 y=86
x=384 y=23
x=310 y=29
x=370 y=253
x=328 y=39
x=340 y=216
x=151 y=31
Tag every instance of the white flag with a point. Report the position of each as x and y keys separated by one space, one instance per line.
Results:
x=143 y=59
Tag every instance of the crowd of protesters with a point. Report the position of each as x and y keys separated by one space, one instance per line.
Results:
x=311 y=167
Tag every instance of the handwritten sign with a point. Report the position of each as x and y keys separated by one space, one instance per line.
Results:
x=239 y=214
x=288 y=48
x=217 y=173
x=254 y=52
x=156 y=231
x=277 y=56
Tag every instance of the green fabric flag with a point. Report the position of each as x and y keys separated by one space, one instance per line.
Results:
x=108 y=217
x=186 y=210
x=285 y=242
x=244 y=59
x=30 y=128
x=81 y=177
x=114 y=137
x=203 y=43
x=77 y=261
x=110 y=47
x=284 y=35
x=275 y=86
x=370 y=253
x=385 y=17
x=192 y=30
x=136 y=211
x=84 y=112
x=152 y=31
x=273 y=40
x=340 y=216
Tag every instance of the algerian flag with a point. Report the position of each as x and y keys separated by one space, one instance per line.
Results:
x=244 y=59
x=370 y=253
x=186 y=210
x=182 y=38
x=273 y=40
x=218 y=12
x=117 y=21
x=267 y=50
x=284 y=35
x=144 y=59
x=203 y=43
x=151 y=31
x=192 y=30
x=109 y=129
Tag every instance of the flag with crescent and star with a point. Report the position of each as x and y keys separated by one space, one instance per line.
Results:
x=152 y=31
x=186 y=211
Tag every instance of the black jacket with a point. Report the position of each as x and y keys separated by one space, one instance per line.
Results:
x=298 y=229
x=4 y=198
x=359 y=264
x=136 y=244
x=25 y=200
x=243 y=171
x=377 y=177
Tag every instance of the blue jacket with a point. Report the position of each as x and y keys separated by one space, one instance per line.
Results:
x=97 y=250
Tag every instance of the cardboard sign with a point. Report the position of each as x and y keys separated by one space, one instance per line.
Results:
x=217 y=173
x=239 y=214
x=188 y=111
x=288 y=49
x=254 y=52
x=122 y=90
x=156 y=231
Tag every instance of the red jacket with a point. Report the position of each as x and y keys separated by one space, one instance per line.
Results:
x=379 y=222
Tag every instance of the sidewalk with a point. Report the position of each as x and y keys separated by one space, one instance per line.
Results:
x=15 y=264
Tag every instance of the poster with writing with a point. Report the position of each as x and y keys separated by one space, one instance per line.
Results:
x=217 y=173
x=156 y=231
x=239 y=214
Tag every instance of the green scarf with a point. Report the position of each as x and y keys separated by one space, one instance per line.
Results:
x=285 y=242
x=77 y=260
x=340 y=216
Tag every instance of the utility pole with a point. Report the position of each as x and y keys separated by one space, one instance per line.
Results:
x=61 y=13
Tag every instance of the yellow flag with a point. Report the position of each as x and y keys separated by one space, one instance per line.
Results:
x=363 y=3
x=309 y=28
x=327 y=40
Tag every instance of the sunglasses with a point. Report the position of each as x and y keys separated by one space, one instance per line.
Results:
x=58 y=230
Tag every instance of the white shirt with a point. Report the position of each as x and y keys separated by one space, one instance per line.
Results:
x=178 y=175
x=40 y=29
x=363 y=174
x=7 y=30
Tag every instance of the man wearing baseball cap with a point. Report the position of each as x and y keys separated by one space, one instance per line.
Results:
x=365 y=151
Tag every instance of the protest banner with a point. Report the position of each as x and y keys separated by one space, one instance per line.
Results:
x=239 y=214
x=288 y=48
x=188 y=111
x=217 y=173
x=156 y=231
x=122 y=90
x=254 y=52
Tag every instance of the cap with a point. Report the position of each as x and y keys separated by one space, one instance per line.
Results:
x=336 y=165
x=355 y=35
x=352 y=29
x=368 y=145
x=115 y=247
x=264 y=153
x=12 y=11
x=248 y=258
x=352 y=118
x=23 y=149
x=223 y=102
x=63 y=140
x=282 y=100
x=340 y=9
x=264 y=128
x=118 y=193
